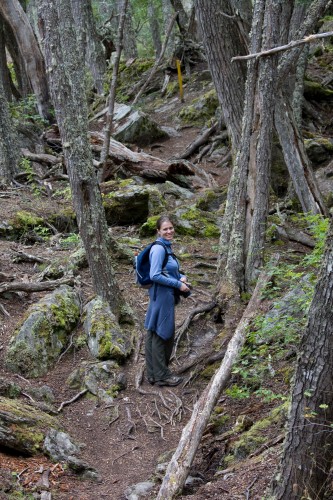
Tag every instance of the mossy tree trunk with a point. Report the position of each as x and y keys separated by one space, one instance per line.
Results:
x=308 y=450
x=8 y=146
x=13 y=13
x=67 y=83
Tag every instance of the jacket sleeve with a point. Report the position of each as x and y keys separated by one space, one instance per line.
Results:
x=156 y=257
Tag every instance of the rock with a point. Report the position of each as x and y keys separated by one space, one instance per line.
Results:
x=22 y=427
x=44 y=333
x=319 y=150
x=9 y=389
x=102 y=379
x=137 y=128
x=60 y=447
x=174 y=194
x=139 y=490
x=127 y=203
x=105 y=338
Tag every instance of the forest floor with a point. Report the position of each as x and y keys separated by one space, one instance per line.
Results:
x=128 y=442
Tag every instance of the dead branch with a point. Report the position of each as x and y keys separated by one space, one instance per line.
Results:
x=126 y=453
x=182 y=459
x=158 y=61
x=248 y=489
x=41 y=157
x=199 y=141
x=34 y=287
x=4 y=311
x=289 y=233
x=77 y=396
x=21 y=256
x=282 y=48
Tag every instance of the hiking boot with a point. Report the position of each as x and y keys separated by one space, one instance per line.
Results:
x=171 y=381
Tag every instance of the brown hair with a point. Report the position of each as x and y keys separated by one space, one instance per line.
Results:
x=160 y=220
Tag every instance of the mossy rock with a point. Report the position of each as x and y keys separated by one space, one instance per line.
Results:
x=127 y=203
x=252 y=439
x=23 y=427
x=319 y=149
x=211 y=199
x=201 y=110
x=138 y=128
x=105 y=338
x=317 y=92
x=43 y=333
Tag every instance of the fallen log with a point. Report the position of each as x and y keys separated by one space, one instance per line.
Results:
x=181 y=461
x=34 y=287
x=140 y=163
x=41 y=157
x=199 y=141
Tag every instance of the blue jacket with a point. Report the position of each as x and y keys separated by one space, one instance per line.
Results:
x=160 y=316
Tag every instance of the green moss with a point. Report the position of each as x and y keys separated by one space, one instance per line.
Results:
x=316 y=91
x=257 y=435
x=201 y=110
x=210 y=370
x=149 y=227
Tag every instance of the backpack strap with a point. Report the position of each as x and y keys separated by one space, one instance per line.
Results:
x=165 y=261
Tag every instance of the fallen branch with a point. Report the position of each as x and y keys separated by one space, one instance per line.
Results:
x=282 y=48
x=182 y=459
x=4 y=311
x=199 y=141
x=126 y=453
x=66 y=403
x=21 y=256
x=34 y=287
x=41 y=157
x=248 y=489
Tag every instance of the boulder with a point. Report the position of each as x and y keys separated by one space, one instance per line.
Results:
x=44 y=333
x=139 y=490
x=319 y=149
x=127 y=203
x=102 y=379
x=105 y=338
x=136 y=127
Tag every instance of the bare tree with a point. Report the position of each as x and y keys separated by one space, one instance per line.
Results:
x=66 y=73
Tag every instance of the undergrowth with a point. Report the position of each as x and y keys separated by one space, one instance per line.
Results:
x=272 y=340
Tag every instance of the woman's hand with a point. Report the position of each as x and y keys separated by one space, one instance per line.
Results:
x=183 y=279
x=184 y=287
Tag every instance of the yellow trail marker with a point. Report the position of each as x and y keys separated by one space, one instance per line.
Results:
x=180 y=80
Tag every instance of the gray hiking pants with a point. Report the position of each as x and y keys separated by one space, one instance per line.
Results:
x=158 y=354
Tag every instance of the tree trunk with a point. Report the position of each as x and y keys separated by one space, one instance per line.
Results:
x=154 y=28
x=308 y=450
x=90 y=43
x=4 y=72
x=129 y=42
x=15 y=16
x=8 y=146
x=23 y=84
x=167 y=14
x=296 y=159
x=267 y=78
x=66 y=71
x=228 y=78
x=182 y=18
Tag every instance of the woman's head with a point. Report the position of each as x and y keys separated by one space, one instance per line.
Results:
x=165 y=227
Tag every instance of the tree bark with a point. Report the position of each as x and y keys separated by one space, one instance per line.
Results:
x=15 y=16
x=66 y=71
x=4 y=72
x=182 y=18
x=308 y=449
x=228 y=78
x=182 y=459
x=129 y=42
x=154 y=28
x=90 y=43
x=8 y=145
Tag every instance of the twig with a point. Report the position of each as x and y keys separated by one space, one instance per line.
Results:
x=21 y=473
x=34 y=287
x=28 y=396
x=65 y=403
x=126 y=452
x=4 y=311
x=161 y=428
x=282 y=48
x=248 y=489
x=157 y=410
x=116 y=417
x=26 y=257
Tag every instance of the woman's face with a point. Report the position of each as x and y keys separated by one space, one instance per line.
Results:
x=166 y=230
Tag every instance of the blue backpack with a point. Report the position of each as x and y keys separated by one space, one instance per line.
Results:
x=142 y=265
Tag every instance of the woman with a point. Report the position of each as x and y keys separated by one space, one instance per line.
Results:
x=160 y=318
